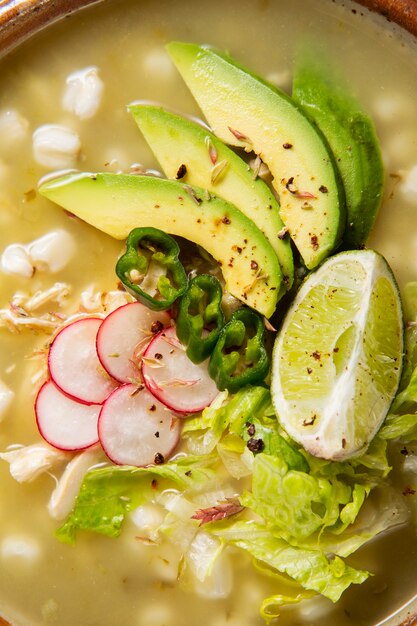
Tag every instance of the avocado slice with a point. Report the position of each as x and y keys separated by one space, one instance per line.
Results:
x=117 y=203
x=188 y=151
x=245 y=111
x=351 y=135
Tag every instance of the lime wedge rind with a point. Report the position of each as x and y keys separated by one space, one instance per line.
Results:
x=337 y=358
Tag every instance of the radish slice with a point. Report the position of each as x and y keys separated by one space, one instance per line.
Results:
x=135 y=429
x=123 y=337
x=65 y=423
x=173 y=379
x=74 y=365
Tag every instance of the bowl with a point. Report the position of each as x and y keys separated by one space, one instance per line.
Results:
x=22 y=20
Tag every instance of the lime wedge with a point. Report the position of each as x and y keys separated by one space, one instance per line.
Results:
x=337 y=358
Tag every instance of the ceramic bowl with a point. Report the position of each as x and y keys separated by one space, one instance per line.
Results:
x=19 y=19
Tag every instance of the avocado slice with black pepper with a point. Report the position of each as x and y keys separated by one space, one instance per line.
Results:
x=117 y=203
x=245 y=111
x=191 y=153
x=352 y=138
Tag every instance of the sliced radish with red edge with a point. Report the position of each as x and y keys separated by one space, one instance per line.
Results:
x=65 y=423
x=74 y=365
x=136 y=429
x=172 y=378
x=123 y=336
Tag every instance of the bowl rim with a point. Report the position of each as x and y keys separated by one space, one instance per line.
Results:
x=402 y=12
x=20 y=19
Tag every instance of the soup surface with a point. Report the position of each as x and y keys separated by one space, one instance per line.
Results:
x=102 y=581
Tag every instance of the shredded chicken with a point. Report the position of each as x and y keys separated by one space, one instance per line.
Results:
x=28 y=462
x=57 y=293
x=63 y=497
x=20 y=313
x=103 y=301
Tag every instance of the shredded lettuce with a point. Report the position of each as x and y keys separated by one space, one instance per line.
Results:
x=386 y=511
x=235 y=456
x=273 y=442
x=204 y=432
x=407 y=398
x=401 y=423
x=374 y=460
x=402 y=427
x=300 y=504
x=270 y=606
x=310 y=513
x=107 y=494
x=311 y=568
x=369 y=468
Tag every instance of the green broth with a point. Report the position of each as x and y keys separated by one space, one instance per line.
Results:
x=112 y=582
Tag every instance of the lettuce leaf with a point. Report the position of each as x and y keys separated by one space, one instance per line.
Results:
x=235 y=456
x=401 y=423
x=375 y=460
x=299 y=504
x=270 y=606
x=107 y=494
x=402 y=427
x=386 y=511
x=311 y=568
x=273 y=442
x=204 y=432
x=407 y=398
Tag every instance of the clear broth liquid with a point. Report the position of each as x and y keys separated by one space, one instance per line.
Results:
x=119 y=582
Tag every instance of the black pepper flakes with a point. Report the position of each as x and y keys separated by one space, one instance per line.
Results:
x=159 y=459
x=158 y=356
x=157 y=434
x=409 y=491
x=188 y=473
x=290 y=185
x=154 y=484
x=314 y=242
x=226 y=220
x=152 y=408
x=182 y=170
x=251 y=430
x=287 y=146
x=254 y=265
x=323 y=189
x=310 y=421
x=255 y=445
x=156 y=327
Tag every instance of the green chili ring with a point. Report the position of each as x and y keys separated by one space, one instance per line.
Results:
x=151 y=250
x=239 y=357
x=200 y=317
